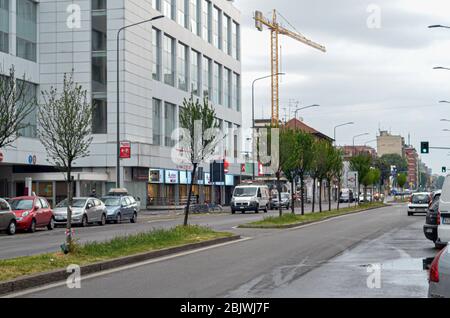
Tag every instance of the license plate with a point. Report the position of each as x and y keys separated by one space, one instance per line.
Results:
x=242 y=208
x=429 y=230
x=446 y=221
x=59 y=218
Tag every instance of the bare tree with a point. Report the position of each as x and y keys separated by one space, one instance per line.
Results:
x=65 y=130
x=17 y=101
x=199 y=138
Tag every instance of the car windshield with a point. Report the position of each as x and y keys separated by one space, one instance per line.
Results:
x=22 y=204
x=285 y=195
x=77 y=203
x=111 y=201
x=245 y=192
x=420 y=198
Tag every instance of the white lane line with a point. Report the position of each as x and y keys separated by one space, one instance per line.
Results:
x=119 y=269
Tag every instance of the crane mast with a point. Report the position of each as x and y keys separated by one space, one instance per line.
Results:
x=275 y=30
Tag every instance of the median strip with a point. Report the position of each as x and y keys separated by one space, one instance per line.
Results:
x=290 y=220
x=33 y=271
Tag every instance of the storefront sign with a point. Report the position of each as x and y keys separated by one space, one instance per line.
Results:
x=207 y=180
x=32 y=159
x=185 y=177
x=171 y=177
x=229 y=180
x=125 y=150
x=156 y=176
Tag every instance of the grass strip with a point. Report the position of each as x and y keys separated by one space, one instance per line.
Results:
x=94 y=252
x=289 y=219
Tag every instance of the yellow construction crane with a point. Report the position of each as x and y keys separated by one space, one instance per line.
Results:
x=276 y=29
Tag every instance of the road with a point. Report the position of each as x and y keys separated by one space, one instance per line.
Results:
x=326 y=259
x=43 y=241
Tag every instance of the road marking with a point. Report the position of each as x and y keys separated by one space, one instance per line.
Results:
x=124 y=268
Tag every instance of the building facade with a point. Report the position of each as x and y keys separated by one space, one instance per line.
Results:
x=388 y=144
x=412 y=158
x=194 y=50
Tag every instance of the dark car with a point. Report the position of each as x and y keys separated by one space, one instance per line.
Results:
x=432 y=220
x=121 y=208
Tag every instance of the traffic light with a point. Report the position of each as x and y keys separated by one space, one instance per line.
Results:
x=425 y=147
x=444 y=169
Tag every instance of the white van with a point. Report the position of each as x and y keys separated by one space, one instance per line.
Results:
x=444 y=213
x=250 y=198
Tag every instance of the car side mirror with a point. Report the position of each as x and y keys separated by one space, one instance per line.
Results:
x=89 y=206
x=36 y=207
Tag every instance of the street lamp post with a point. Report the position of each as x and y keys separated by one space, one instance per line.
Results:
x=118 y=92
x=253 y=111
x=438 y=26
x=357 y=136
x=341 y=125
x=302 y=108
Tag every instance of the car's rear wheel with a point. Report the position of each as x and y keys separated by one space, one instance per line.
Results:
x=102 y=221
x=119 y=219
x=51 y=225
x=134 y=218
x=11 y=228
x=84 y=221
x=32 y=227
x=439 y=245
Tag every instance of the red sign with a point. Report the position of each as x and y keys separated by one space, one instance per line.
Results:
x=1 y=156
x=226 y=166
x=243 y=168
x=125 y=150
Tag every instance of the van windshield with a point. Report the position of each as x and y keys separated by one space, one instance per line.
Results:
x=245 y=192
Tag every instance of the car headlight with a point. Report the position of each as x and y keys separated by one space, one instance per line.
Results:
x=25 y=214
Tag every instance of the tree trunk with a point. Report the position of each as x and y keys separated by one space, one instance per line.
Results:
x=188 y=205
x=329 y=195
x=280 y=207
x=69 y=237
x=292 y=197
x=314 y=195
x=302 y=192
x=339 y=195
x=320 y=195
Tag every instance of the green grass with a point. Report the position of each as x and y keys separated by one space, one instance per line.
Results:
x=95 y=252
x=293 y=219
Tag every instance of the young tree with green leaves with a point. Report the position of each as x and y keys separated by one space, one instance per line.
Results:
x=198 y=138
x=338 y=171
x=304 y=160
x=17 y=102
x=402 y=178
x=322 y=166
x=361 y=164
x=65 y=130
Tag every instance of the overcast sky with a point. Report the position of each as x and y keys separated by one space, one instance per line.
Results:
x=376 y=77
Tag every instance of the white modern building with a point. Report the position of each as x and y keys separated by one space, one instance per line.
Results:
x=194 y=49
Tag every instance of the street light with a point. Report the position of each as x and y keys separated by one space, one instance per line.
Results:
x=444 y=102
x=302 y=108
x=370 y=141
x=253 y=108
x=357 y=136
x=438 y=26
x=118 y=91
x=441 y=68
x=445 y=120
x=341 y=125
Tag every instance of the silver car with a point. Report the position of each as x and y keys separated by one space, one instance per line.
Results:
x=7 y=218
x=84 y=211
x=440 y=275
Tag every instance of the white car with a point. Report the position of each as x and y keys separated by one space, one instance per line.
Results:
x=419 y=203
x=444 y=213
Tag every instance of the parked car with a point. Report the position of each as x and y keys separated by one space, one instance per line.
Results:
x=439 y=278
x=285 y=201
x=430 y=228
x=444 y=214
x=84 y=212
x=346 y=196
x=419 y=203
x=32 y=212
x=368 y=197
x=120 y=208
x=250 y=198
x=7 y=218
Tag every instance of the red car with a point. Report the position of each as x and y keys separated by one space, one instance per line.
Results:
x=32 y=213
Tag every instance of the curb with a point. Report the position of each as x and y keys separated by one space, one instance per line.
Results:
x=290 y=226
x=37 y=280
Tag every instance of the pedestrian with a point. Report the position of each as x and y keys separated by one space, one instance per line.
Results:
x=94 y=193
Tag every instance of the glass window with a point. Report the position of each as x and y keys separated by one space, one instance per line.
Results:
x=235 y=40
x=99 y=119
x=226 y=34
x=169 y=123
x=217 y=84
x=216 y=28
x=236 y=92
x=99 y=31
x=227 y=88
x=157 y=122
x=181 y=13
x=168 y=60
x=156 y=4
x=195 y=73
x=206 y=20
x=99 y=72
x=168 y=8
x=98 y=4
x=26 y=30
x=30 y=121
x=156 y=60
x=193 y=14
x=4 y=26
x=182 y=67
x=206 y=79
